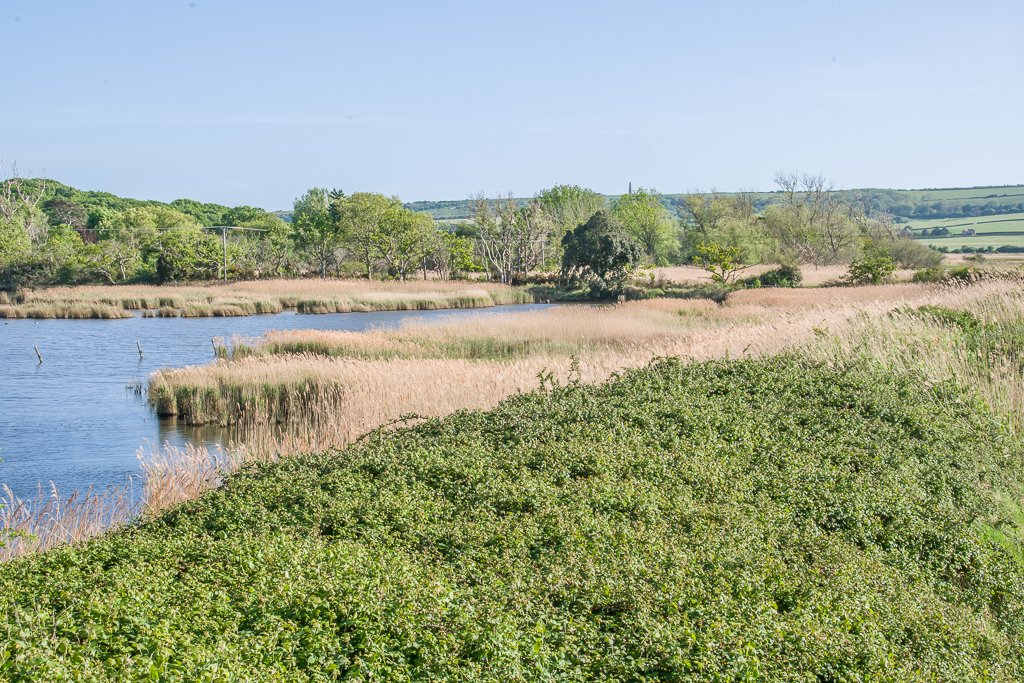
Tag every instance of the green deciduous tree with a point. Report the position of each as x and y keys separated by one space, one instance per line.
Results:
x=316 y=229
x=265 y=240
x=725 y=219
x=115 y=261
x=568 y=206
x=450 y=253
x=14 y=241
x=362 y=217
x=191 y=254
x=63 y=252
x=873 y=266
x=723 y=262
x=400 y=239
x=512 y=237
x=20 y=199
x=812 y=223
x=243 y=215
x=603 y=248
x=643 y=215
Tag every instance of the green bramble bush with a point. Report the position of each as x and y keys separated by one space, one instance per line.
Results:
x=768 y=520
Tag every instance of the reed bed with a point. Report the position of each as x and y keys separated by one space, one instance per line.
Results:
x=49 y=519
x=254 y=298
x=812 y=276
x=581 y=330
x=342 y=385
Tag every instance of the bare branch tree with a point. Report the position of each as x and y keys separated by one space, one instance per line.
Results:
x=813 y=223
x=18 y=199
x=512 y=237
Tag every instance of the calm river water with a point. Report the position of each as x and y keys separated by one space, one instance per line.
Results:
x=71 y=420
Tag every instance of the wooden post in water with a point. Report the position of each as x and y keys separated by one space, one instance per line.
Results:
x=37 y=354
x=214 y=343
x=139 y=344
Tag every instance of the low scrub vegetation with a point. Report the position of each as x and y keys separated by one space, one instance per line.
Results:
x=771 y=519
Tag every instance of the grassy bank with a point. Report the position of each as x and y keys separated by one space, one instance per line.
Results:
x=253 y=298
x=764 y=520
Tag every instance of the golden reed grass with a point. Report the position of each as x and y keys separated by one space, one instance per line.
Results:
x=256 y=297
x=681 y=325
x=50 y=519
x=812 y=276
x=323 y=401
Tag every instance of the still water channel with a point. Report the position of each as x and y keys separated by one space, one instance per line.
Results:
x=70 y=420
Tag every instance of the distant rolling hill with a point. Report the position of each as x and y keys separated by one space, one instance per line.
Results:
x=915 y=207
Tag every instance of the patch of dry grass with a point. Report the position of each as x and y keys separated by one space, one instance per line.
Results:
x=812 y=276
x=252 y=298
x=665 y=324
x=50 y=519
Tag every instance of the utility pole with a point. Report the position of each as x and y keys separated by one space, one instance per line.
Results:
x=224 y=237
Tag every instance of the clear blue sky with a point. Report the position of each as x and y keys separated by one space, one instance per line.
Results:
x=254 y=102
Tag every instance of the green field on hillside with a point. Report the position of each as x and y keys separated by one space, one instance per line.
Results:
x=991 y=232
x=1013 y=222
x=1014 y=193
x=918 y=206
x=977 y=242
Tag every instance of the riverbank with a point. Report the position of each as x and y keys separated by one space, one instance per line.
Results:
x=343 y=385
x=254 y=298
x=768 y=519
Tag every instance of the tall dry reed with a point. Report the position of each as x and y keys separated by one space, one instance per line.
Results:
x=50 y=519
x=252 y=298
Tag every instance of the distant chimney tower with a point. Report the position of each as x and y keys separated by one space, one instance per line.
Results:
x=631 y=187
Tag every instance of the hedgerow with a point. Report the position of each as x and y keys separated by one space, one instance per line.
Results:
x=767 y=520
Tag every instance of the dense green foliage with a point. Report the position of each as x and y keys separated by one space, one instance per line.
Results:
x=873 y=267
x=783 y=276
x=62 y=235
x=53 y=233
x=737 y=521
x=642 y=213
x=601 y=250
x=508 y=238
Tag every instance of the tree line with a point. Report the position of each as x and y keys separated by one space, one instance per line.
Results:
x=50 y=233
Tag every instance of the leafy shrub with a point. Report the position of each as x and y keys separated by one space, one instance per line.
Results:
x=755 y=520
x=782 y=276
x=965 y=274
x=907 y=253
x=722 y=261
x=965 y=320
x=929 y=275
x=873 y=267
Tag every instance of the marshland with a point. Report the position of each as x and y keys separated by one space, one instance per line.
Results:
x=804 y=464
x=727 y=465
